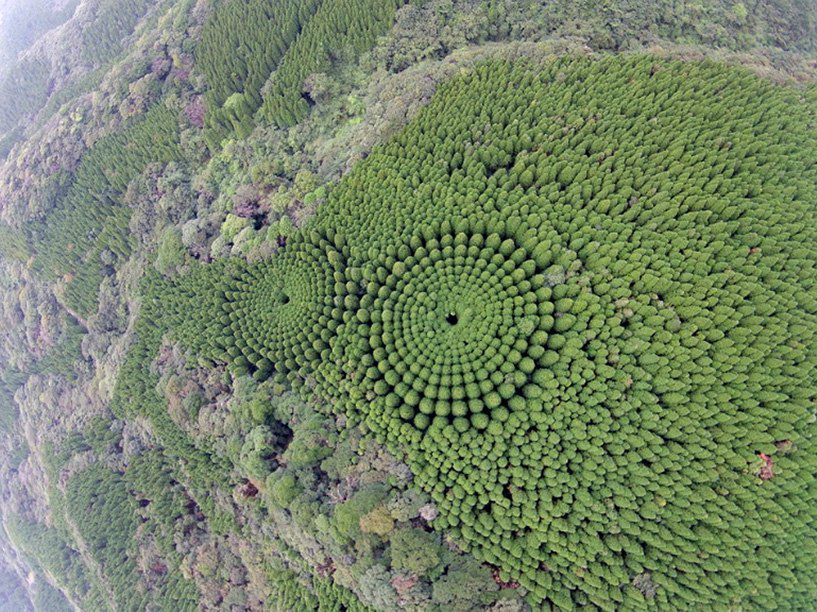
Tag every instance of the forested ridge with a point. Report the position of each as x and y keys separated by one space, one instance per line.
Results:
x=408 y=305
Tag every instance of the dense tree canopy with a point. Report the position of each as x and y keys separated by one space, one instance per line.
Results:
x=581 y=300
x=388 y=305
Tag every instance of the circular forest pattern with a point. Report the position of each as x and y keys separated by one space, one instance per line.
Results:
x=580 y=298
x=281 y=311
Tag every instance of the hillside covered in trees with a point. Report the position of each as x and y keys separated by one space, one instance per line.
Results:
x=408 y=305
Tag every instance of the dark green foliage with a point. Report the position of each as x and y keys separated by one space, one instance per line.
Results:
x=104 y=513
x=582 y=301
x=415 y=551
x=192 y=307
x=101 y=436
x=48 y=599
x=342 y=29
x=47 y=548
x=151 y=478
x=102 y=38
x=335 y=598
x=109 y=506
x=241 y=44
x=13 y=244
x=208 y=311
x=165 y=505
x=290 y=594
x=62 y=357
x=146 y=495
x=136 y=394
x=87 y=232
x=466 y=311
x=295 y=295
x=23 y=89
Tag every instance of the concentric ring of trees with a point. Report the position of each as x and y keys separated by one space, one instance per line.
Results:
x=581 y=298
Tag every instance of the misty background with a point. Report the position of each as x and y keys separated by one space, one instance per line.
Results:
x=23 y=21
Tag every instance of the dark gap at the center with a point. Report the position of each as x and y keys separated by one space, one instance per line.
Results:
x=451 y=318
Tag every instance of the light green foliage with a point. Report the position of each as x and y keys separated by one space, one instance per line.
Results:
x=415 y=551
x=740 y=11
x=312 y=442
x=260 y=452
x=379 y=521
x=232 y=226
x=283 y=488
x=170 y=254
x=304 y=182
x=260 y=410
x=580 y=300
x=348 y=514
